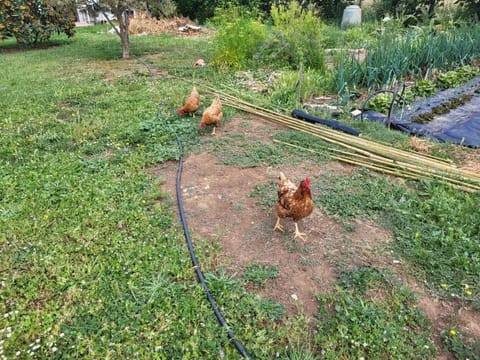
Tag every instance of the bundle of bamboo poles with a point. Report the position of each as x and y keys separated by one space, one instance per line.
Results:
x=363 y=152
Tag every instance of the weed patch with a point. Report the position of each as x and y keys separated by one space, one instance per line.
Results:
x=353 y=326
x=259 y=274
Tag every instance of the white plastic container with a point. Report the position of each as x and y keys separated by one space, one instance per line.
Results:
x=352 y=15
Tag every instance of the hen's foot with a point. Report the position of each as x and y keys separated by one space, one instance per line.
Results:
x=277 y=225
x=298 y=234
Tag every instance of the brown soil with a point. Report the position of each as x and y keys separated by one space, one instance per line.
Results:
x=218 y=208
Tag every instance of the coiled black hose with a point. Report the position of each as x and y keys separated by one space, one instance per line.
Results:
x=195 y=263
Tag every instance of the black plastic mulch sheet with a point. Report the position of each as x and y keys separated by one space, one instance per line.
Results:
x=460 y=126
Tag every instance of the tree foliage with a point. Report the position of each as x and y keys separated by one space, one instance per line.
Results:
x=471 y=7
x=414 y=8
x=331 y=9
x=32 y=21
x=197 y=10
x=161 y=8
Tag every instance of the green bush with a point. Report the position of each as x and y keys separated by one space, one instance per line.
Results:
x=239 y=36
x=34 y=21
x=301 y=33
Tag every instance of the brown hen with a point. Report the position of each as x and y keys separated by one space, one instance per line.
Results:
x=191 y=104
x=212 y=114
x=294 y=202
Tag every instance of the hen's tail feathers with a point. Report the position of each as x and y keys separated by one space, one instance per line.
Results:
x=282 y=176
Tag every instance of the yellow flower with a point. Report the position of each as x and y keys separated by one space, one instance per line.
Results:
x=453 y=332
x=468 y=292
x=443 y=285
x=417 y=235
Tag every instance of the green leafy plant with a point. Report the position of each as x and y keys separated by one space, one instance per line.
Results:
x=259 y=274
x=294 y=87
x=424 y=88
x=381 y=102
x=458 y=343
x=240 y=35
x=354 y=323
x=300 y=31
x=448 y=80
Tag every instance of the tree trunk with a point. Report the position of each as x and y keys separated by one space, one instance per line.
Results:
x=121 y=13
x=125 y=46
x=123 y=24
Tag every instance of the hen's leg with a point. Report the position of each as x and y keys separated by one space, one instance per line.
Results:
x=213 y=132
x=278 y=225
x=298 y=234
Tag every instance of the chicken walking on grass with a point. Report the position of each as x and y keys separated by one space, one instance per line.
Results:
x=294 y=202
x=212 y=114
x=191 y=104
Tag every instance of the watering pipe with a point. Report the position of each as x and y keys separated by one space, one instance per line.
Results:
x=196 y=265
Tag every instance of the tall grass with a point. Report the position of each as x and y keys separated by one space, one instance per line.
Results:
x=417 y=52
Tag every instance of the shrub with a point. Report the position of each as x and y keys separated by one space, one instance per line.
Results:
x=33 y=21
x=239 y=37
x=300 y=31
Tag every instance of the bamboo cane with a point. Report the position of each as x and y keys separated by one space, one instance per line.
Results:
x=385 y=168
x=375 y=155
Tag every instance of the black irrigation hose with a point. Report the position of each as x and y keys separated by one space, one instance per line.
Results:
x=195 y=263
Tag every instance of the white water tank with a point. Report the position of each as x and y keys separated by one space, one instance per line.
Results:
x=352 y=15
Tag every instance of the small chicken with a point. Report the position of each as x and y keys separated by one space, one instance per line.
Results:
x=200 y=63
x=212 y=114
x=191 y=104
x=294 y=202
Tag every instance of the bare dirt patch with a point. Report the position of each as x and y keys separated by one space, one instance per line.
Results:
x=219 y=206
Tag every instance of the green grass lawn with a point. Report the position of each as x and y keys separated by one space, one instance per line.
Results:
x=93 y=264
